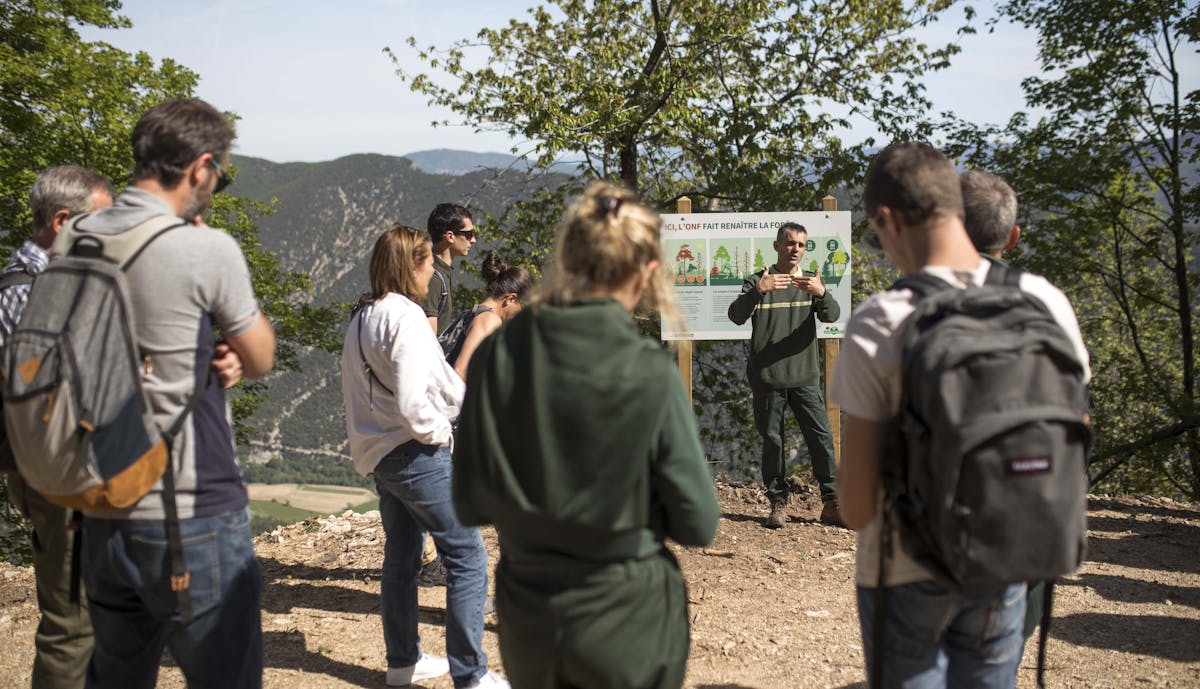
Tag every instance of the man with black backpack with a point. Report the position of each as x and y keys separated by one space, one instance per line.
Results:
x=946 y=464
x=187 y=283
x=63 y=641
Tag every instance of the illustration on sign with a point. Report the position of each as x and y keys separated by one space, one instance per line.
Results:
x=688 y=266
x=731 y=261
x=837 y=261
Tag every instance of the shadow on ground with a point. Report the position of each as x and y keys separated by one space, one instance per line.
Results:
x=1170 y=638
x=1174 y=544
x=1125 y=590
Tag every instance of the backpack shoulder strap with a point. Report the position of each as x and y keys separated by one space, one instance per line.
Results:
x=121 y=248
x=445 y=294
x=1002 y=274
x=361 y=315
x=17 y=277
x=922 y=284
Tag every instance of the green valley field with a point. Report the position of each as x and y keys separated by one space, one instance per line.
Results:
x=292 y=502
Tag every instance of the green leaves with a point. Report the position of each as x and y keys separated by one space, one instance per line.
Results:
x=726 y=101
x=1109 y=203
x=67 y=101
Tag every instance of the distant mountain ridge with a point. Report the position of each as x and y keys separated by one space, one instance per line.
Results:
x=330 y=214
x=445 y=161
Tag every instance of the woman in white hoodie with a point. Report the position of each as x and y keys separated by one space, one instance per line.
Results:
x=401 y=400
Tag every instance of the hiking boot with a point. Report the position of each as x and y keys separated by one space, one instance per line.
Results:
x=778 y=516
x=432 y=574
x=427 y=667
x=831 y=514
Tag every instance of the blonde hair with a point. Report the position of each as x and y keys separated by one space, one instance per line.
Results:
x=606 y=236
x=394 y=260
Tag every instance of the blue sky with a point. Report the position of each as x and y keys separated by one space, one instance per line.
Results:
x=311 y=82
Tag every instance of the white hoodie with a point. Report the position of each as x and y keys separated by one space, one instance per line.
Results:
x=415 y=394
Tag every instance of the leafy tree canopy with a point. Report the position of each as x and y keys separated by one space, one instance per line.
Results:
x=741 y=104
x=1110 y=200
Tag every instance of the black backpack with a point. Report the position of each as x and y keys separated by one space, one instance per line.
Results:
x=988 y=485
x=455 y=334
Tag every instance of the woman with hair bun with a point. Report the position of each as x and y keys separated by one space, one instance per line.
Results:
x=578 y=442
x=504 y=295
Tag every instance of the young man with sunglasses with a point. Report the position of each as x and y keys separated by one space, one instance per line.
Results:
x=452 y=233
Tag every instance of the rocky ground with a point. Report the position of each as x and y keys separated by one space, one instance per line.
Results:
x=769 y=608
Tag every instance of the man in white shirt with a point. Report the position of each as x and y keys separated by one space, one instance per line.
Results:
x=935 y=636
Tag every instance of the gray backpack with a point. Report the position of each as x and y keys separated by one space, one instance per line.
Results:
x=991 y=487
x=8 y=463
x=78 y=419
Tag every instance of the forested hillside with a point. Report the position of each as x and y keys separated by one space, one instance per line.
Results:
x=328 y=216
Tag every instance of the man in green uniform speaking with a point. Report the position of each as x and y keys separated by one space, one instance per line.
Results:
x=783 y=302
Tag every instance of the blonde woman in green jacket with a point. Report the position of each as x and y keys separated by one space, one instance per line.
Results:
x=578 y=442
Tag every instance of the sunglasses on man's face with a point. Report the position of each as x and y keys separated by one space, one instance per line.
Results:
x=223 y=178
x=469 y=234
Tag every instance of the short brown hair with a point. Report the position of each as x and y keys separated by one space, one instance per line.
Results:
x=397 y=253
x=914 y=179
x=174 y=133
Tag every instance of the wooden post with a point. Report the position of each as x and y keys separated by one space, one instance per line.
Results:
x=833 y=349
x=684 y=206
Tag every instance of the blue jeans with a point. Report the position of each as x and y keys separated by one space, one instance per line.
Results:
x=133 y=607
x=414 y=497
x=937 y=638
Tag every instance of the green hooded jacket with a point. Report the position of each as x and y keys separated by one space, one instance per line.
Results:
x=577 y=441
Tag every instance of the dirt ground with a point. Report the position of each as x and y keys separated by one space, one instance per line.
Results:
x=769 y=608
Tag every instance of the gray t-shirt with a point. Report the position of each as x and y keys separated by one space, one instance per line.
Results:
x=186 y=284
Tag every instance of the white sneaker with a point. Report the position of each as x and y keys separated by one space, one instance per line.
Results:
x=489 y=679
x=427 y=667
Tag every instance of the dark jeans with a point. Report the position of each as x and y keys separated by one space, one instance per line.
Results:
x=808 y=406
x=414 y=497
x=936 y=638
x=63 y=641
x=133 y=607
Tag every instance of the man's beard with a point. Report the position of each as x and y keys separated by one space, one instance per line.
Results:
x=200 y=201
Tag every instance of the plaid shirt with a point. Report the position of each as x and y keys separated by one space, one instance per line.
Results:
x=32 y=259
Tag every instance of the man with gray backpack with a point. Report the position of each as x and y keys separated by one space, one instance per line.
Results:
x=963 y=470
x=114 y=348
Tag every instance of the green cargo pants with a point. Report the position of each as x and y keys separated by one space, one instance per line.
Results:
x=593 y=625
x=63 y=641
